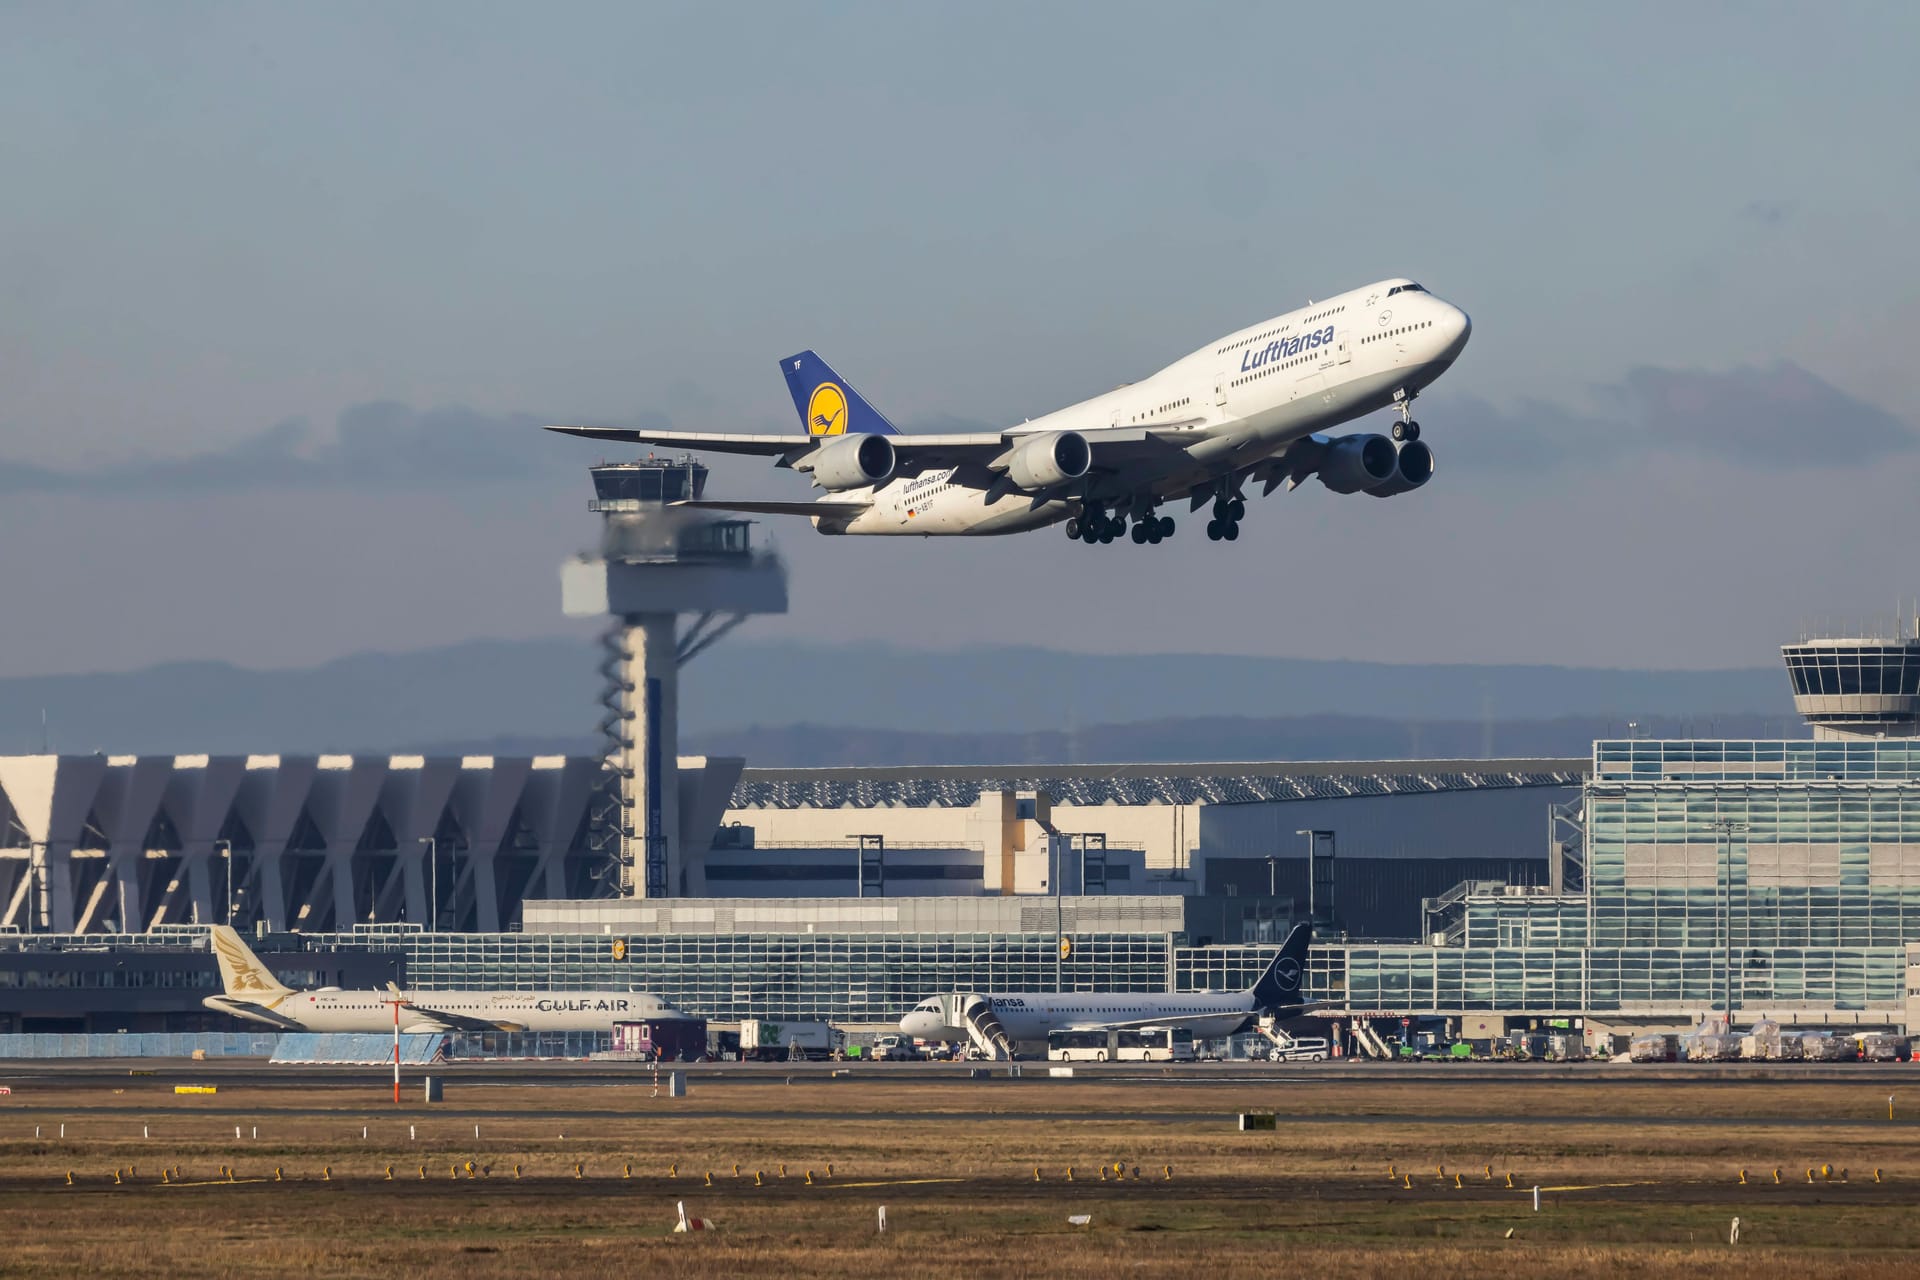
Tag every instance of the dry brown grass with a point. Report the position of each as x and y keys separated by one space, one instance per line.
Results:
x=1236 y=1203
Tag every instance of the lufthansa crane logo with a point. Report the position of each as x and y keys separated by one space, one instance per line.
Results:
x=1287 y=970
x=827 y=411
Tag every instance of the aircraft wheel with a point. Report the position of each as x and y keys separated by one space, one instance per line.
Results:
x=1413 y=431
x=1073 y=527
x=1139 y=534
x=1106 y=535
x=1153 y=533
x=1407 y=431
x=1231 y=531
x=1213 y=531
x=1236 y=511
x=1166 y=526
x=1220 y=509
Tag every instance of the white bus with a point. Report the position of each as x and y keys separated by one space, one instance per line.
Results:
x=1151 y=1044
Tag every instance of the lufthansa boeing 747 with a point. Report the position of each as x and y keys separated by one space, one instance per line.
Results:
x=1253 y=407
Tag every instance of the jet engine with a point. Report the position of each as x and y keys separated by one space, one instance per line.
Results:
x=1357 y=463
x=1414 y=469
x=852 y=462
x=1048 y=459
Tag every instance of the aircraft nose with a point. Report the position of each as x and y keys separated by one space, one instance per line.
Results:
x=1456 y=328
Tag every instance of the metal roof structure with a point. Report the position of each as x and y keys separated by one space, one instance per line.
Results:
x=957 y=786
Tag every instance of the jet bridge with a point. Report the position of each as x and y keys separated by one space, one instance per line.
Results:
x=975 y=1012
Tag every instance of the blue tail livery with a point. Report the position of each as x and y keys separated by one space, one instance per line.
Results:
x=828 y=404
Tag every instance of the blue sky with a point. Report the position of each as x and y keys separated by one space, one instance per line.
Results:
x=245 y=249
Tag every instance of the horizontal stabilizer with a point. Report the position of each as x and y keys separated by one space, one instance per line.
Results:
x=713 y=441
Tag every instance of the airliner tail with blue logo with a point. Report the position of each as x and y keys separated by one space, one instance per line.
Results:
x=1255 y=407
x=827 y=403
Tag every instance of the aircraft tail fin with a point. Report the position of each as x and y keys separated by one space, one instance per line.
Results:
x=241 y=973
x=827 y=403
x=1280 y=986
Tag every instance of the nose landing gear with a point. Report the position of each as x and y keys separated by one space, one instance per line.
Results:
x=1405 y=431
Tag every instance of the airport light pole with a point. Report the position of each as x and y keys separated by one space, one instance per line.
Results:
x=433 y=911
x=226 y=854
x=32 y=863
x=1314 y=836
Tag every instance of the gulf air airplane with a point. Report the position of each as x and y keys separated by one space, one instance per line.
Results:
x=1254 y=407
x=250 y=990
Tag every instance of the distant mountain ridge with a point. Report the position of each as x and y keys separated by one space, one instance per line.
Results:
x=1222 y=738
x=546 y=689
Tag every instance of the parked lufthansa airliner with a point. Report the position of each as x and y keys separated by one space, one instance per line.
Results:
x=1254 y=406
x=250 y=990
x=1017 y=1019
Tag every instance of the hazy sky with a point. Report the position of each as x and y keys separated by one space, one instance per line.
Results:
x=285 y=292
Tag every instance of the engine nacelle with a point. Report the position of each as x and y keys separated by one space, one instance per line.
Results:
x=1414 y=469
x=1048 y=459
x=1355 y=464
x=852 y=462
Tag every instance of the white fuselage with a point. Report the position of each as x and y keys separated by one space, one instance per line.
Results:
x=1029 y=1017
x=1232 y=404
x=372 y=1011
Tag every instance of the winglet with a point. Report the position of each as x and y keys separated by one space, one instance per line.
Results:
x=241 y=973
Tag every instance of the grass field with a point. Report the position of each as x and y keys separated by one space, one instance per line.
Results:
x=1636 y=1176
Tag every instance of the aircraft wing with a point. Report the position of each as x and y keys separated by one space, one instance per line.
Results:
x=757 y=507
x=460 y=1021
x=1112 y=447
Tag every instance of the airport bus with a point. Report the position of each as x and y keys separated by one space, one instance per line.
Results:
x=1150 y=1044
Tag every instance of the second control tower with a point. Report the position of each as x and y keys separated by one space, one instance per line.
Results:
x=656 y=566
x=1858 y=686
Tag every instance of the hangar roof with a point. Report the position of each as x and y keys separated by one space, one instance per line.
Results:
x=957 y=786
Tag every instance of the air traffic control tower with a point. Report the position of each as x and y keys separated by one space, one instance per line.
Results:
x=1859 y=686
x=674 y=581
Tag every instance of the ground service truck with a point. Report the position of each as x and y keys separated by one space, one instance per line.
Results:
x=767 y=1041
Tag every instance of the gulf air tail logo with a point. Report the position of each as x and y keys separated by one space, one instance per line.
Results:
x=247 y=976
x=827 y=411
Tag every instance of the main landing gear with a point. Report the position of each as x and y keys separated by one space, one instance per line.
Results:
x=1094 y=524
x=1229 y=508
x=1227 y=514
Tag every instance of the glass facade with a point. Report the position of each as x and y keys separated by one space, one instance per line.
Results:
x=846 y=977
x=1777 y=877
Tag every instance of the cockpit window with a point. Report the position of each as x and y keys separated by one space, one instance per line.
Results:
x=1405 y=288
